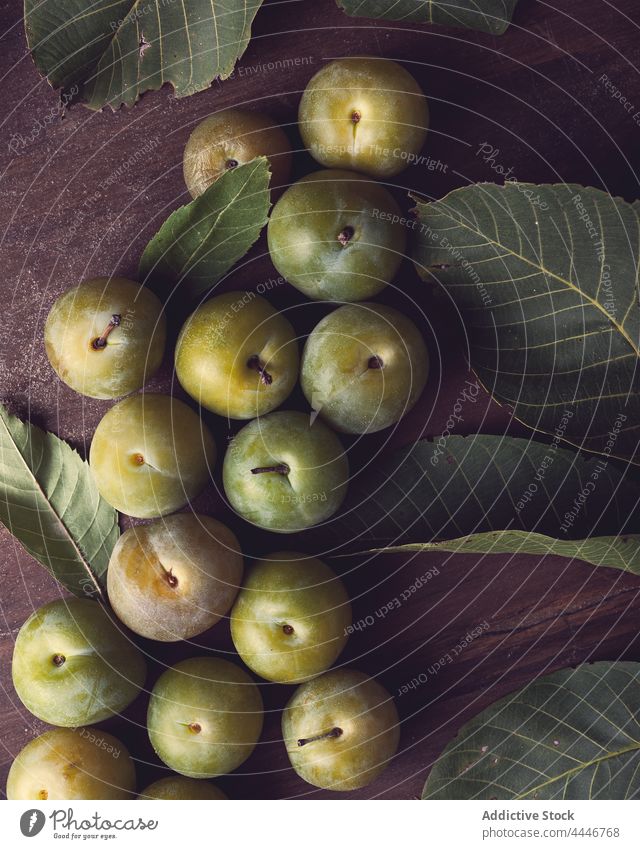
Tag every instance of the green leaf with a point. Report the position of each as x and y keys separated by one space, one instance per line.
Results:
x=546 y=279
x=493 y=16
x=615 y=552
x=571 y=735
x=201 y=241
x=48 y=500
x=111 y=51
x=470 y=485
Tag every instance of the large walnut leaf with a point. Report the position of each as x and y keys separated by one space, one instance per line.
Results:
x=546 y=279
x=111 y=51
x=477 y=484
x=201 y=241
x=615 y=552
x=574 y=734
x=50 y=503
x=491 y=16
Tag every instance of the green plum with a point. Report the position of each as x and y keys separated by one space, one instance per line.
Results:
x=72 y=764
x=105 y=338
x=150 y=455
x=230 y=138
x=181 y=787
x=337 y=236
x=174 y=578
x=364 y=366
x=364 y=113
x=340 y=730
x=73 y=666
x=237 y=356
x=290 y=620
x=283 y=473
x=205 y=717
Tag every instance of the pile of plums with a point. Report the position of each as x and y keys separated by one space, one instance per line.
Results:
x=335 y=236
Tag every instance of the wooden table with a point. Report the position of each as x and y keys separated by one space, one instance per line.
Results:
x=82 y=195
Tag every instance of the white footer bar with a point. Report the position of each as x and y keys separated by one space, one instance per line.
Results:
x=322 y=824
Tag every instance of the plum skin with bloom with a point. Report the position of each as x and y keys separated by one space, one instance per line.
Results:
x=285 y=474
x=237 y=356
x=364 y=366
x=72 y=665
x=230 y=138
x=150 y=455
x=106 y=337
x=181 y=787
x=336 y=235
x=174 y=578
x=364 y=113
x=290 y=620
x=205 y=717
x=340 y=730
x=72 y=764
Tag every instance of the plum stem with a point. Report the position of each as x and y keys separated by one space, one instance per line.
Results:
x=375 y=362
x=279 y=469
x=288 y=630
x=356 y=115
x=256 y=364
x=345 y=236
x=333 y=733
x=231 y=163
x=59 y=659
x=101 y=342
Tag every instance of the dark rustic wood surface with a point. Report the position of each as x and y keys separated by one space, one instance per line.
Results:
x=72 y=207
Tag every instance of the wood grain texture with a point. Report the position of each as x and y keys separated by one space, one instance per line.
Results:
x=81 y=195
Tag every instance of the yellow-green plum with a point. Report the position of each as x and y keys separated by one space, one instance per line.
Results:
x=72 y=764
x=205 y=717
x=340 y=730
x=230 y=138
x=150 y=455
x=363 y=367
x=237 y=356
x=105 y=338
x=284 y=473
x=174 y=578
x=337 y=236
x=290 y=620
x=181 y=787
x=73 y=666
x=364 y=113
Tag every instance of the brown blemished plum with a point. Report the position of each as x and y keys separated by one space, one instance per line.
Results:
x=176 y=577
x=72 y=763
x=230 y=138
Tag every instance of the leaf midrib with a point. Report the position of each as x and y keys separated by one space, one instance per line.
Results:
x=38 y=487
x=594 y=302
x=582 y=766
x=221 y=213
x=114 y=37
